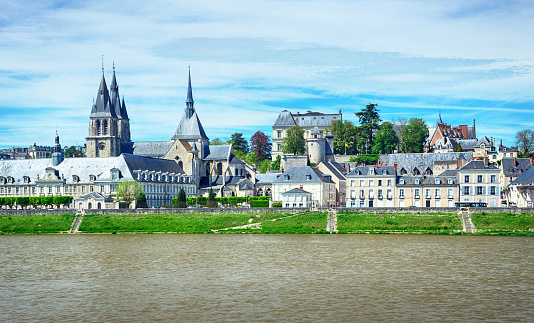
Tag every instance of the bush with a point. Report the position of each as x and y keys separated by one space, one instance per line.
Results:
x=259 y=203
x=258 y=198
x=277 y=204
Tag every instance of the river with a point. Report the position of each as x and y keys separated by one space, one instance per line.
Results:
x=267 y=278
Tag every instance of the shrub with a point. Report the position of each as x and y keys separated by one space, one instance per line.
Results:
x=277 y=204
x=259 y=203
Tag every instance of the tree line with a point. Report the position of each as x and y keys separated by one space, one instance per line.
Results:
x=35 y=201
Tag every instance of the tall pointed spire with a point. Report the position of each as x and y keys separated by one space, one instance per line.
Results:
x=189 y=103
x=115 y=98
x=102 y=107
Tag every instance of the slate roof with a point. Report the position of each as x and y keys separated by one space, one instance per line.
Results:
x=335 y=169
x=421 y=161
x=83 y=167
x=525 y=179
x=477 y=164
x=376 y=171
x=295 y=191
x=509 y=169
x=146 y=148
x=298 y=175
x=306 y=120
x=219 y=152
x=267 y=178
x=467 y=144
x=449 y=173
x=218 y=180
x=103 y=107
x=190 y=128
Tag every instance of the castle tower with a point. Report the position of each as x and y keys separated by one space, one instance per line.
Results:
x=316 y=146
x=57 y=156
x=104 y=138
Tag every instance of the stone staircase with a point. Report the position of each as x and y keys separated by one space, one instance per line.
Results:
x=331 y=224
x=76 y=223
x=467 y=223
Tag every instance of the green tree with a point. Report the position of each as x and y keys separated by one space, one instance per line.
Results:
x=141 y=202
x=239 y=143
x=181 y=201
x=128 y=191
x=459 y=148
x=524 y=140
x=211 y=199
x=251 y=159
x=369 y=122
x=386 y=139
x=23 y=201
x=219 y=142
x=265 y=165
x=35 y=200
x=294 y=142
x=73 y=152
x=47 y=200
x=344 y=133
x=414 y=136
x=275 y=165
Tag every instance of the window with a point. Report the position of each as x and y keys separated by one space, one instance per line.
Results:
x=427 y=193
x=371 y=182
x=417 y=182
x=479 y=179
x=362 y=194
x=437 y=182
x=353 y=194
x=379 y=194
x=58 y=189
x=388 y=194
x=466 y=190
x=379 y=182
x=401 y=193
x=416 y=193
x=279 y=133
x=449 y=181
x=493 y=179
x=371 y=194
x=308 y=177
x=479 y=190
x=389 y=182
x=401 y=181
x=466 y=179
x=449 y=193
x=279 y=147
x=493 y=190
x=437 y=193
x=361 y=182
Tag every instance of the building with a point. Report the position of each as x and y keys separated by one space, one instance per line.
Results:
x=371 y=186
x=520 y=192
x=480 y=182
x=337 y=174
x=426 y=163
x=501 y=152
x=445 y=138
x=428 y=191
x=308 y=121
x=308 y=179
x=297 y=198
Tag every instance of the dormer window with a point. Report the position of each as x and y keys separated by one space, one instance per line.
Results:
x=417 y=182
x=92 y=178
x=449 y=181
x=75 y=179
x=401 y=181
x=286 y=177
x=114 y=174
x=2 y=180
x=26 y=179
x=437 y=182
x=10 y=180
x=308 y=177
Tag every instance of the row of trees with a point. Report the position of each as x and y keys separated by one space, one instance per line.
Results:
x=36 y=201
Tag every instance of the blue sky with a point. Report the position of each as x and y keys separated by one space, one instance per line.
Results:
x=251 y=59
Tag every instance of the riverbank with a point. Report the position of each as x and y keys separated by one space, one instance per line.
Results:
x=304 y=222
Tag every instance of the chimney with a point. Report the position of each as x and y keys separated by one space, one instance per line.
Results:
x=515 y=162
x=329 y=159
x=458 y=163
x=395 y=166
x=486 y=161
x=531 y=161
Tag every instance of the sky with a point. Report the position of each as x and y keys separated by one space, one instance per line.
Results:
x=249 y=60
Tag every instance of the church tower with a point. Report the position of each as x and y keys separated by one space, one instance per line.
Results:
x=104 y=136
x=120 y=110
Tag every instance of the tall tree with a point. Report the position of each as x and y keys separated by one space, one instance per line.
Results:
x=128 y=191
x=386 y=139
x=239 y=143
x=260 y=145
x=344 y=133
x=218 y=142
x=369 y=122
x=398 y=125
x=524 y=140
x=414 y=136
x=294 y=142
x=181 y=201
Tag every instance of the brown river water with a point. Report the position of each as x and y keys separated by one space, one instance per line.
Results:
x=266 y=278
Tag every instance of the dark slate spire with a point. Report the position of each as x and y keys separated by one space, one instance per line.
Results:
x=115 y=98
x=124 y=113
x=439 y=119
x=57 y=156
x=102 y=107
x=189 y=103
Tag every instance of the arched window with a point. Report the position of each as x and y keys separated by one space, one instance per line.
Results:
x=268 y=192
x=260 y=192
x=99 y=206
x=105 y=126
x=219 y=169
x=98 y=130
x=89 y=205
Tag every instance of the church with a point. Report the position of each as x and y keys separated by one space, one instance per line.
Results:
x=163 y=168
x=210 y=167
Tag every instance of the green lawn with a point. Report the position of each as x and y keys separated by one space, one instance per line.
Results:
x=35 y=223
x=355 y=222
x=503 y=223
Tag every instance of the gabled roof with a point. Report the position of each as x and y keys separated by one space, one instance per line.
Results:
x=267 y=178
x=509 y=168
x=146 y=148
x=478 y=164
x=309 y=119
x=527 y=178
x=219 y=152
x=296 y=191
x=335 y=169
x=190 y=128
x=285 y=119
x=299 y=174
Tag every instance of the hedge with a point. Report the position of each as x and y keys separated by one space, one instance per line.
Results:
x=259 y=203
x=36 y=200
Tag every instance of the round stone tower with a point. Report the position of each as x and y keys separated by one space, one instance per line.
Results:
x=316 y=145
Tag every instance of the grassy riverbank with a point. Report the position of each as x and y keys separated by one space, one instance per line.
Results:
x=271 y=223
x=359 y=222
x=35 y=224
